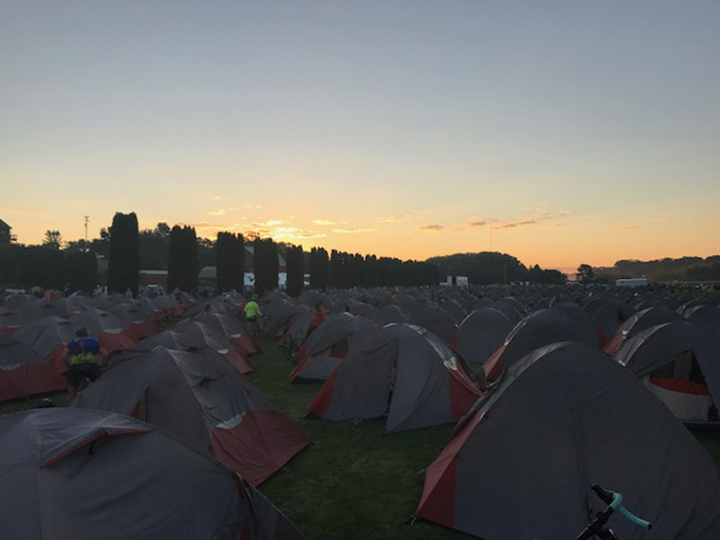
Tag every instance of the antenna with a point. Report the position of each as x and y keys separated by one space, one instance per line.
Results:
x=87 y=218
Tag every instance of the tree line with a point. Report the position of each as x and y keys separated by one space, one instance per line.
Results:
x=182 y=253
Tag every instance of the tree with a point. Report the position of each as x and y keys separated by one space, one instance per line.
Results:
x=295 y=271
x=585 y=273
x=230 y=256
x=319 y=268
x=183 y=259
x=124 y=266
x=154 y=246
x=266 y=265
x=52 y=239
x=81 y=271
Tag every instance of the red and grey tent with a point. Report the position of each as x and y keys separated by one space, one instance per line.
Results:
x=538 y=329
x=679 y=364
x=84 y=474
x=328 y=345
x=233 y=330
x=24 y=373
x=29 y=374
x=642 y=320
x=201 y=398
x=520 y=465
x=402 y=371
x=214 y=338
x=106 y=328
x=480 y=334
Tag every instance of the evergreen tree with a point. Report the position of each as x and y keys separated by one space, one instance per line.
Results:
x=81 y=271
x=124 y=264
x=319 y=268
x=295 y=271
x=266 y=265
x=183 y=259
x=230 y=253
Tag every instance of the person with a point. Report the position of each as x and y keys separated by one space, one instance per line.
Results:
x=252 y=313
x=81 y=358
x=319 y=315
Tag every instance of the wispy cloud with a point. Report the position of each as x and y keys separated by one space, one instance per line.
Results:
x=404 y=218
x=24 y=211
x=323 y=222
x=220 y=212
x=353 y=231
x=431 y=228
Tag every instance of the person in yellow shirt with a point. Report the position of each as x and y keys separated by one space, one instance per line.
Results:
x=252 y=314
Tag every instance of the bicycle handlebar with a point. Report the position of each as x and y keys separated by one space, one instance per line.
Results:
x=614 y=501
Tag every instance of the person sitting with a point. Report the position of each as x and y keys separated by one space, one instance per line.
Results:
x=81 y=358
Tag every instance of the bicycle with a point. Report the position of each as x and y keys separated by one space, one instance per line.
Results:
x=291 y=344
x=597 y=527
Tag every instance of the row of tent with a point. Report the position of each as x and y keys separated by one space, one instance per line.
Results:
x=130 y=457
x=554 y=419
x=567 y=403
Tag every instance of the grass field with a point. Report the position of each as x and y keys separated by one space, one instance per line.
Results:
x=353 y=482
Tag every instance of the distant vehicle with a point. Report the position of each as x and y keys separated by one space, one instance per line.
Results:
x=456 y=281
x=157 y=290
x=14 y=292
x=632 y=282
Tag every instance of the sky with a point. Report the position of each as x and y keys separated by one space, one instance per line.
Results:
x=558 y=132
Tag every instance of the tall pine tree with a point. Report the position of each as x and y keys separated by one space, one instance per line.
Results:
x=295 y=271
x=124 y=264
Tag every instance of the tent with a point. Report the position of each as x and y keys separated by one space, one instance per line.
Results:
x=325 y=348
x=402 y=371
x=24 y=373
x=214 y=338
x=642 y=320
x=83 y=474
x=679 y=364
x=201 y=398
x=480 y=334
x=536 y=330
x=520 y=464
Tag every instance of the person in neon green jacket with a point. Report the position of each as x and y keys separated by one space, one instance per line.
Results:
x=252 y=311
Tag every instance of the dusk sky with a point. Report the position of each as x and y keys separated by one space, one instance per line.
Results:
x=559 y=132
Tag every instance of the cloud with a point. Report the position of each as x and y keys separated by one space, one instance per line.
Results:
x=24 y=212
x=353 y=231
x=220 y=212
x=431 y=228
x=323 y=222
x=627 y=227
x=478 y=223
x=405 y=218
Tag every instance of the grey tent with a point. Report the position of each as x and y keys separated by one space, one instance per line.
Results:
x=520 y=465
x=201 y=398
x=83 y=475
x=679 y=363
x=480 y=334
x=328 y=345
x=642 y=320
x=538 y=329
x=402 y=371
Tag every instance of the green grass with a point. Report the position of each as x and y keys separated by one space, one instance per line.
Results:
x=353 y=482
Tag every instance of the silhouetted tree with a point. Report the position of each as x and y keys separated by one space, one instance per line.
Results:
x=319 y=268
x=266 y=265
x=295 y=270
x=230 y=253
x=124 y=264
x=183 y=259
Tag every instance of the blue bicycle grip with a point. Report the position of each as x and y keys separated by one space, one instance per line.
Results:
x=634 y=519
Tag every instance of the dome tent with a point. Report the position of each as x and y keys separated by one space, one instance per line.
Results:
x=562 y=418
x=83 y=474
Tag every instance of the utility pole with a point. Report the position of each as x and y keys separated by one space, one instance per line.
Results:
x=87 y=218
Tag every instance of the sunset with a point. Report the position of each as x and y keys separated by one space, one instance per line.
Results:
x=562 y=134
